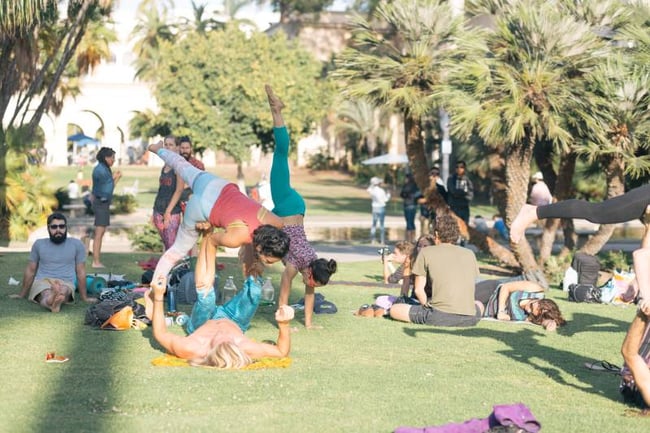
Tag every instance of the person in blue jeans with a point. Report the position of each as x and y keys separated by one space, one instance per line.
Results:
x=216 y=332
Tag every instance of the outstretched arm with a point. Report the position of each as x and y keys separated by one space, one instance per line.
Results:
x=276 y=106
x=174 y=344
x=283 y=316
x=514 y=286
x=205 y=264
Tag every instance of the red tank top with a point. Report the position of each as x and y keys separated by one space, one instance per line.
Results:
x=232 y=206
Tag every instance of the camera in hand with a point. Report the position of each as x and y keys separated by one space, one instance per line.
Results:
x=384 y=251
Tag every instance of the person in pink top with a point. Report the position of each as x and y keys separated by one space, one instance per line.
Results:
x=221 y=204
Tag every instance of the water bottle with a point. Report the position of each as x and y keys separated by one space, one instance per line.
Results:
x=268 y=293
x=229 y=290
x=171 y=300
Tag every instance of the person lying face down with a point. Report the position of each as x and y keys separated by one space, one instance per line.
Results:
x=216 y=332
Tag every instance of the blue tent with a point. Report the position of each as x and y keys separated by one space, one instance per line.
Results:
x=81 y=139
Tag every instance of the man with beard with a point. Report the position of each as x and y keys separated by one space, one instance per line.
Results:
x=49 y=278
x=185 y=150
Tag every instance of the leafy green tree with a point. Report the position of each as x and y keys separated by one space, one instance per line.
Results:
x=37 y=46
x=212 y=88
x=369 y=124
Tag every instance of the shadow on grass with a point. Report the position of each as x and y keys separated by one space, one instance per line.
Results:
x=554 y=363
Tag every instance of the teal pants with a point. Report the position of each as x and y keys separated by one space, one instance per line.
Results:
x=286 y=199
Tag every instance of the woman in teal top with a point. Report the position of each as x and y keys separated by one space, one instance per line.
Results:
x=521 y=301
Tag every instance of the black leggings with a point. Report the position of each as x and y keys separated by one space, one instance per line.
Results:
x=620 y=209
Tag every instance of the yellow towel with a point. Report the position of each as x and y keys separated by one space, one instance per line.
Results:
x=168 y=360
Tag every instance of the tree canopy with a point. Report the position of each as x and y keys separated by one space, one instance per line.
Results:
x=211 y=87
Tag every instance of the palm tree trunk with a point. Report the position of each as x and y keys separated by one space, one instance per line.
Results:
x=614 y=167
x=517 y=171
x=415 y=150
x=562 y=190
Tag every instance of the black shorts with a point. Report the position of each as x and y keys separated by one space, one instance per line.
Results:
x=430 y=316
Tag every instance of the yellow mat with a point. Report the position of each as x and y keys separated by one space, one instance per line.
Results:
x=168 y=360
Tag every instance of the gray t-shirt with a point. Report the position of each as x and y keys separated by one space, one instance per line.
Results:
x=452 y=271
x=57 y=260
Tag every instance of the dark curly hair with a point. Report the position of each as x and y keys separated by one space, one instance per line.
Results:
x=322 y=270
x=548 y=310
x=104 y=152
x=271 y=241
x=446 y=228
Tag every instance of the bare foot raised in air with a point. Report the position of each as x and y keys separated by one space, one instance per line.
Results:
x=526 y=216
x=155 y=147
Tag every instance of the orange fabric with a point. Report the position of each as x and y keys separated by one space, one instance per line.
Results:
x=168 y=360
x=119 y=321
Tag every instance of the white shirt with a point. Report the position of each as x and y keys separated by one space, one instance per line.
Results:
x=379 y=197
x=540 y=195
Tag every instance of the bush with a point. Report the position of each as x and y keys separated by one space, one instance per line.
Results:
x=124 y=204
x=146 y=239
x=615 y=260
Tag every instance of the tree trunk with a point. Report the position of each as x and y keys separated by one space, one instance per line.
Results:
x=4 y=209
x=562 y=188
x=614 y=168
x=517 y=173
x=415 y=150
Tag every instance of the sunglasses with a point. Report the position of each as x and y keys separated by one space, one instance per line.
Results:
x=57 y=226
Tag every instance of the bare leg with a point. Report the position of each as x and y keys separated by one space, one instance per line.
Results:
x=400 y=312
x=526 y=216
x=97 y=246
x=635 y=362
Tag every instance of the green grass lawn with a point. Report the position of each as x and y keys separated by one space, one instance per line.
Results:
x=354 y=375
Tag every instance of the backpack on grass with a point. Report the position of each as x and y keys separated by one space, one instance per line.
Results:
x=587 y=268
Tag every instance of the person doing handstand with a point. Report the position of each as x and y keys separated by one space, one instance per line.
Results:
x=290 y=206
x=221 y=204
x=216 y=332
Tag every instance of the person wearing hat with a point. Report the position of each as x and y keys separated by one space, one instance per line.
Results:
x=540 y=195
x=379 y=198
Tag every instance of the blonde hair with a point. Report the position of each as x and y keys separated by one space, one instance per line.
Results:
x=226 y=355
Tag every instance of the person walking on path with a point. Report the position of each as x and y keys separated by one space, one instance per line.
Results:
x=379 y=198
x=104 y=180
x=290 y=206
x=166 y=206
x=409 y=194
x=460 y=190
x=54 y=265
x=222 y=205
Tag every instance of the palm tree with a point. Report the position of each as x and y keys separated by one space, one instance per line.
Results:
x=523 y=91
x=364 y=121
x=36 y=47
x=395 y=62
x=150 y=32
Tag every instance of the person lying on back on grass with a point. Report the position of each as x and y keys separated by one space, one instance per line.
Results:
x=518 y=301
x=216 y=332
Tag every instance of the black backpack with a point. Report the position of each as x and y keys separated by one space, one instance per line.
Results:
x=587 y=267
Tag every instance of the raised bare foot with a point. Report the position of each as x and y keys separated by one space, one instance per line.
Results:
x=98 y=265
x=275 y=102
x=526 y=216
x=155 y=147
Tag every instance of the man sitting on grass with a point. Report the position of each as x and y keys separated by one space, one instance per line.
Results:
x=216 y=332
x=54 y=264
x=452 y=271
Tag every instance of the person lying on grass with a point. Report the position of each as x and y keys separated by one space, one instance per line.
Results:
x=518 y=301
x=216 y=332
